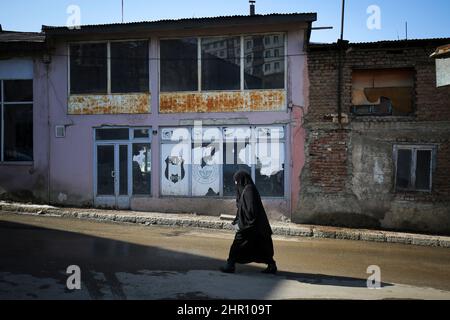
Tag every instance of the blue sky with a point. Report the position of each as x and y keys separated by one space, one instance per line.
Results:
x=426 y=19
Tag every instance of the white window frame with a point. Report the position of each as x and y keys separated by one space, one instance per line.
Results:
x=414 y=149
x=129 y=142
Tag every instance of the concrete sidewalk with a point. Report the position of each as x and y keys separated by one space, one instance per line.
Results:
x=198 y=221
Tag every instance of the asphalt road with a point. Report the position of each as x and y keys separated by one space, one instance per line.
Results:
x=145 y=262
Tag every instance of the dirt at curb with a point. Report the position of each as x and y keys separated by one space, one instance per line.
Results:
x=196 y=221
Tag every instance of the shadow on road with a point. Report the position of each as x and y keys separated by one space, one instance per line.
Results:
x=46 y=253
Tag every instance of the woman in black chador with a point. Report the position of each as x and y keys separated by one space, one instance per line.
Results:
x=253 y=240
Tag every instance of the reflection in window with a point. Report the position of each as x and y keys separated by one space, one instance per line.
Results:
x=88 y=68
x=141 y=168
x=221 y=70
x=129 y=67
x=141 y=133
x=258 y=74
x=179 y=61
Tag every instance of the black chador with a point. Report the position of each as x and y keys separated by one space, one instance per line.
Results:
x=253 y=239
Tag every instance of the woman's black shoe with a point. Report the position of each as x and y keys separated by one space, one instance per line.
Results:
x=228 y=268
x=271 y=269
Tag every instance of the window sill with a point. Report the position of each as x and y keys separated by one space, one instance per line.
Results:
x=16 y=163
x=378 y=118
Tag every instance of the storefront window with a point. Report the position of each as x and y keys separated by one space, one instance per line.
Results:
x=203 y=165
x=175 y=162
x=142 y=169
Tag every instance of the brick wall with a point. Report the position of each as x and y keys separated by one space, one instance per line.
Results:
x=349 y=173
x=431 y=103
x=328 y=160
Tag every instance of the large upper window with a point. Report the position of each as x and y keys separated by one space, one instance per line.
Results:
x=383 y=92
x=221 y=68
x=88 y=68
x=16 y=110
x=126 y=63
x=201 y=162
x=129 y=66
x=179 y=60
x=260 y=73
x=225 y=63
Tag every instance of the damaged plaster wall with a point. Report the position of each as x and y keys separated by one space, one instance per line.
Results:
x=349 y=176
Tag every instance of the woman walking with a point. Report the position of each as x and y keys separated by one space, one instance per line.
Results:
x=253 y=239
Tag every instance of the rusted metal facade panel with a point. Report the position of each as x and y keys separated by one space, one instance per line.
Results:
x=109 y=104
x=236 y=101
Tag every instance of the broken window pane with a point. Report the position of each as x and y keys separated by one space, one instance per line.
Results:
x=423 y=167
x=383 y=92
x=206 y=169
x=404 y=157
x=237 y=156
x=141 y=167
x=269 y=175
x=129 y=67
x=221 y=68
x=88 y=68
x=258 y=73
x=18 y=132
x=18 y=90
x=112 y=134
x=179 y=65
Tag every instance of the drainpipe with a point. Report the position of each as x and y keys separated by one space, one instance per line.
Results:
x=341 y=47
x=47 y=66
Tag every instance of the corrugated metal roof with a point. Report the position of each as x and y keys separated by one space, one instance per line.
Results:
x=15 y=36
x=187 y=23
x=386 y=43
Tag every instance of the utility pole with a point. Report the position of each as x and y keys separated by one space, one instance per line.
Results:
x=342 y=20
x=122 y=11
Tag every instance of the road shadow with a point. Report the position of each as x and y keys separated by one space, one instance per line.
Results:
x=46 y=253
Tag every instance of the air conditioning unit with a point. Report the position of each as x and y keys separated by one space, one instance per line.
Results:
x=60 y=131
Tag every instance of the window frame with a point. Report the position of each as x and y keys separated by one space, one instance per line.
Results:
x=414 y=149
x=108 y=66
x=129 y=142
x=2 y=122
x=242 y=59
x=371 y=107
x=253 y=142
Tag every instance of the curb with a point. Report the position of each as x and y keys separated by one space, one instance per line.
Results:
x=207 y=222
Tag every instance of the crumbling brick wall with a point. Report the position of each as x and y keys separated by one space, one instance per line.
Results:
x=349 y=175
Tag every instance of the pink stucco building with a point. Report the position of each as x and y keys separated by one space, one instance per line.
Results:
x=157 y=116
